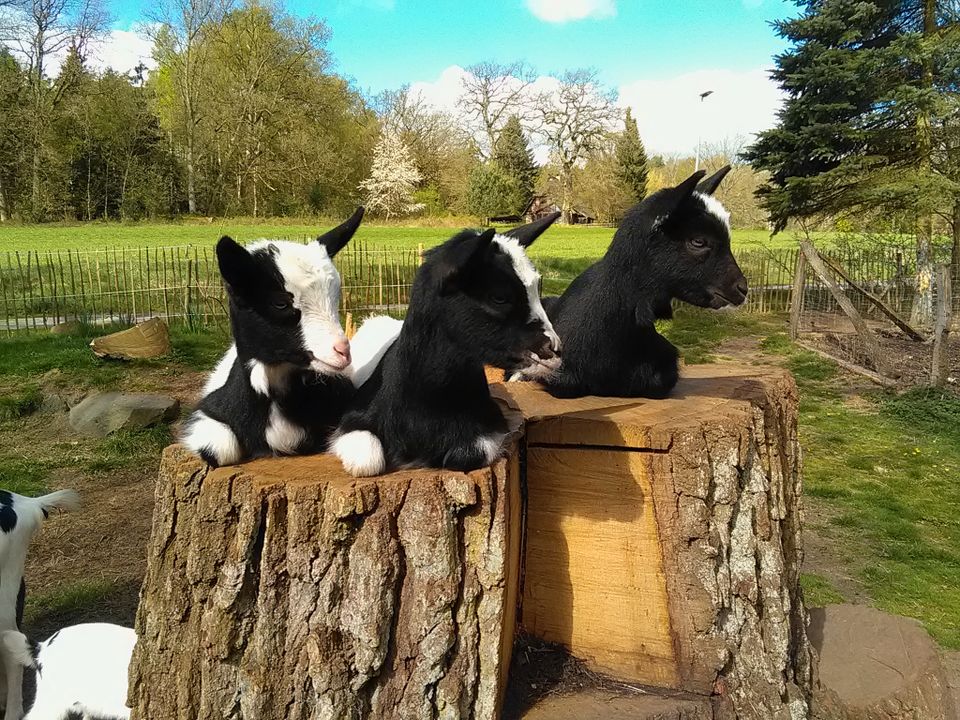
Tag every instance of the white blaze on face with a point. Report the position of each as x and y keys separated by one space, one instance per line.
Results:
x=715 y=208
x=531 y=281
x=310 y=276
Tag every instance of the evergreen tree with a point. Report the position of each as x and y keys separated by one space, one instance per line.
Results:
x=513 y=156
x=491 y=192
x=864 y=82
x=393 y=178
x=632 y=159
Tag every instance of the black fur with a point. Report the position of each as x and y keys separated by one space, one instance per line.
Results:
x=266 y=328
x=669 y=246
x=428 y=402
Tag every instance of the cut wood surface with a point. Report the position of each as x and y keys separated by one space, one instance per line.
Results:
x=285 y=589
x=149 y=339
x=663 y=537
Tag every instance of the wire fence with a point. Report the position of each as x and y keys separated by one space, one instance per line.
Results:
x=181 y=284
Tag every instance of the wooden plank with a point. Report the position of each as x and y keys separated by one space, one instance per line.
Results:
x=940 y=368
x=866 y=335
x=593 y=578
x=796 y=295
x=852 y=367
x=882 y=306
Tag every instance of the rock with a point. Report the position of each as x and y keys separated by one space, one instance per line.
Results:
x=53 y=405
x=70 y=327
x=149 y=339
x=104 y=413
x=876 y=666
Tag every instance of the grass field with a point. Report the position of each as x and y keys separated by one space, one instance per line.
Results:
x=565 y=242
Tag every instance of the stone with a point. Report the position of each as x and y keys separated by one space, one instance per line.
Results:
x=104 y=413
x=70 y=327
x=53 y=405
x=876 y=666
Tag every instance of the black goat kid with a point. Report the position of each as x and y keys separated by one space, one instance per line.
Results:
x=283 y=385
x=674 y=244
x=475 y=301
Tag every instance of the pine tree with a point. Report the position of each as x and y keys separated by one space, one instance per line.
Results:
x=632 y=159
x=393 y=178
x=864 y=84
x=491 y=192
x=513 y=156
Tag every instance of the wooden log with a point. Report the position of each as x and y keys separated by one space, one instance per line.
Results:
x=149 y=339
x=940 y=367
x=663 y=537
x=285 y=589
x=796 y=296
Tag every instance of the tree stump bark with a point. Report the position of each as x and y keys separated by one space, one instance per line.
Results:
x=285 y=589
x=663 y=543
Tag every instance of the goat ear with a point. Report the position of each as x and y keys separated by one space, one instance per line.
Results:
x=675 y=197
x=461 y=256
x=237 y=266
x=334 y=240
x=710 y=185
x=526 y=234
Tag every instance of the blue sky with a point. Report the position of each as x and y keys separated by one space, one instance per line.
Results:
x=658 y=54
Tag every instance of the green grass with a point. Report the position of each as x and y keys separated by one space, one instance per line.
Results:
x=19 y=402
x=563 y=242
x=23 y=475
x=69 y=600
x=129 y=448
x=818 y=591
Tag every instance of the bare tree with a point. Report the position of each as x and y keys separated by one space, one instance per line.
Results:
x=39 y=32
x=492 y=93
x=573 y=121
x=178 y=30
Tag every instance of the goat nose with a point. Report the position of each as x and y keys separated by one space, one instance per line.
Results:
x=742 y=286
x=342 y=349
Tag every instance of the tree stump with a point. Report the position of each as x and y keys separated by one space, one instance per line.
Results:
x=285 y=589
x=662 y=541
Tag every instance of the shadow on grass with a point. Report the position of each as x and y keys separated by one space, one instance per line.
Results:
x=81 y=602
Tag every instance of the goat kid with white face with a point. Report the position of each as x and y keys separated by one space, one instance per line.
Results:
x=20 y=520
x=475 y=302
x=282 y=386
x=674 y=244
x=80 y=671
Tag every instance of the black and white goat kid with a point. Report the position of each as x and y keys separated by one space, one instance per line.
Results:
x=674 y=244
x=284 y=383
x=475 y=301
x=20 y=520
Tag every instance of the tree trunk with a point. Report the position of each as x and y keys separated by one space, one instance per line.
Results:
x=284 y=589
x=955 y=250
x=191 y=187
x=663 y=538
x=3 y=201
x=566 y=201
x=922 y=312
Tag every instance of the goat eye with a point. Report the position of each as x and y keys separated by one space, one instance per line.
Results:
x=281 y=304
x=499 y=299
x=698 y=243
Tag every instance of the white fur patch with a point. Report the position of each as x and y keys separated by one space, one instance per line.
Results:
x=530 y=278
x=310 y=276
x=715 y=208
x=218 y=378
x=491 y=446
x=264 y=378
x=369 y=345
x=206 y=434
x=282 y=435
x=360 y=452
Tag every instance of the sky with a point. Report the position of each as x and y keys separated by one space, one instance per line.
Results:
x=658 y=54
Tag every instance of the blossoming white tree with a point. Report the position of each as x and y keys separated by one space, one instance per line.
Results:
x=393 y=178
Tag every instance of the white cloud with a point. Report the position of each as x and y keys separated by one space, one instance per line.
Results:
x=122 y=50
x=668 y=110
x=561 y=11
x=671 y=116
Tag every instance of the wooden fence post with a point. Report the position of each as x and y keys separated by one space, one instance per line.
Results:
x=796 y=295
x=940 y=368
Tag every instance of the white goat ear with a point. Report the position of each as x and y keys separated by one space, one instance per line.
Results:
x=334 y=240
x=526 y=234
x=710 y=185
x=460 y=255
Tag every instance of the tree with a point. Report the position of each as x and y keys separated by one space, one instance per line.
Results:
x=512 y=154
x=491 y=192
x=179 y=29
x=492 y=93
x=573 y=121
x=39 y=31
x=393 y=178
x=13 y=100
x=632 y=159
x=864 y=84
